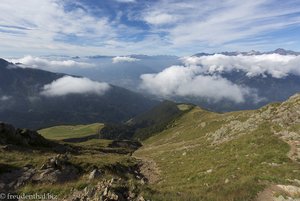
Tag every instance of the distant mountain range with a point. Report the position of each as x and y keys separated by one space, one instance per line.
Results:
x=23 y=105
x=280 y=51
x=127 y=75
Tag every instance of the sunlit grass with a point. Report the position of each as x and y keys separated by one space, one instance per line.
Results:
x=68 y=131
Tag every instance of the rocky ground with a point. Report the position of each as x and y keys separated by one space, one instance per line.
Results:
x=115 y=180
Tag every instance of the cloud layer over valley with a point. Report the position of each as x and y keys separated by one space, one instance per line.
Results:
x=49 y=64
x=202 y=76
x=275 y=65
x=121 y=59
x=74 y=85
x=187 y=81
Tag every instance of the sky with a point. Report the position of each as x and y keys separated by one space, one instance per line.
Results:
x=152 y=27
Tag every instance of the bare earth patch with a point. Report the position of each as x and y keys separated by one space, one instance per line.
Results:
x=280 y=193
x=149 y=170
x=268 y=193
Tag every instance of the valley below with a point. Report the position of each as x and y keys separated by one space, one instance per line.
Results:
x=172 y=152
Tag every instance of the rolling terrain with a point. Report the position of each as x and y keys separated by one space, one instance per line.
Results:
x=231 y=156
x=191 y=154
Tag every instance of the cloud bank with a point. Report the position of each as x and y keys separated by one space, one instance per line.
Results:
x=4 y=98
x=201 y=76
x=187 y=81
x=121 y=59
x=74 y=85
x=41 y=63
x=276 y=65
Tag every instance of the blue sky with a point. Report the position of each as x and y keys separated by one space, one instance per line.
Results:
x=122 y=27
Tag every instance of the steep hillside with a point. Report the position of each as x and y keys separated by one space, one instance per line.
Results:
x=146 y=124
x=232 y=156
x=23 y=105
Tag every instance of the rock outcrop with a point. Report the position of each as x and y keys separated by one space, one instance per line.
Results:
x=23 y=137
x=106 y=190
x=57 y=169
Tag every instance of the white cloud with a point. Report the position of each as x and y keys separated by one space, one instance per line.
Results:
x=42 y=63
x=74 y=85
x=126 y=1
x=179 y=27
x=159 y=18
x=276 y=65
x=187 y=81
x=120 y=59
x=5 y=98
x=214 y=23
x=44 y=25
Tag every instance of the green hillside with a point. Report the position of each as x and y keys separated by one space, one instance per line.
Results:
x=68 y=131
x=231 y=156
x=146 y=124
x=192 y=154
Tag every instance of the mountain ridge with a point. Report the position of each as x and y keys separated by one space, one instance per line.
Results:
x=229 y=156
x=24 y=106
x=280 y=51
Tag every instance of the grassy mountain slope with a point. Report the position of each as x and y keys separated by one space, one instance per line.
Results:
x=146 y=124
x=67 y=131
x=196 y=155
x=231 y=156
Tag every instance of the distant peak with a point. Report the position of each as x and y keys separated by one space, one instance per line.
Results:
x=280 y=51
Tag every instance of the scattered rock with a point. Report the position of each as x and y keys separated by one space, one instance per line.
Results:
x=104 y=190
x=209 y=171
x=56 y=169
x=16 y=178
x=141 y=198
x=290 y=190
x=203 y=124
x=94 y=174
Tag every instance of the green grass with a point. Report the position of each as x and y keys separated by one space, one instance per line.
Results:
x=295 y=128
x=90 y=156
x=59 y=190
x=184 y=107
x=68 y=131
x=19 y=159
x=184 y=153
